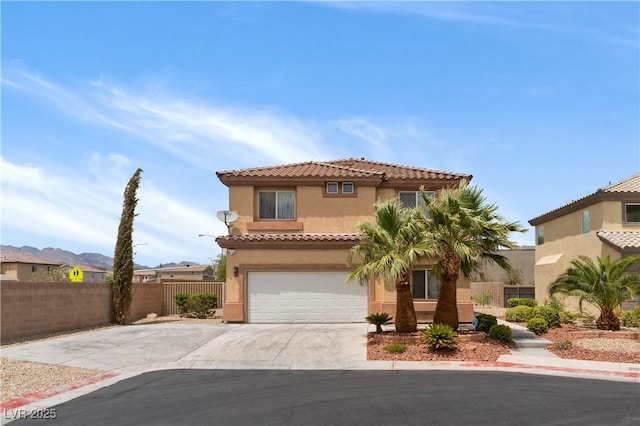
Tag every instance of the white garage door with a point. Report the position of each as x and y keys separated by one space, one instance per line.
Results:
x=304 y=297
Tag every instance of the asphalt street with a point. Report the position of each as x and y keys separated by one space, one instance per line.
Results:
x=287 y=397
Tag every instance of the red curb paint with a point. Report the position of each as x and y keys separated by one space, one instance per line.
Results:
x=626 y=374
x=47 y=393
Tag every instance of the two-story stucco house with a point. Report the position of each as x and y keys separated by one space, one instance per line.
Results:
x=606 y=222
x=287 y=252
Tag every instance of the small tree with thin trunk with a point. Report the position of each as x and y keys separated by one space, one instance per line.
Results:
x=123 y=256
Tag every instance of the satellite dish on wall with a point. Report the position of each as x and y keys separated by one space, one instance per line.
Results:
x=227 y=216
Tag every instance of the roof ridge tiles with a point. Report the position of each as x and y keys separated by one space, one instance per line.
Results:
x=624 y=185
x=396 y=165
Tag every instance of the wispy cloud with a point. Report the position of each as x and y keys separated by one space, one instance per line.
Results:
x=191 y=130
x=555 y=18
x=63 y=206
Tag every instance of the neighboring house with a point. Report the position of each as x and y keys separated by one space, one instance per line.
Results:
x=176 y=273
x=287 y=252
x=606 y=222
x=521 y=259
x=90 y=274
x=22 y=266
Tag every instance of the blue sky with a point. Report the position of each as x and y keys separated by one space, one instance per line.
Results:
x=539 y=101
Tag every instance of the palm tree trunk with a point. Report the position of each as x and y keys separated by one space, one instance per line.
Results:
x=447 y=306
x=608 y=320
x=406 y=321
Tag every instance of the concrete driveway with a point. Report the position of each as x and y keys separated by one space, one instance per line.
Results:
x=236 y=346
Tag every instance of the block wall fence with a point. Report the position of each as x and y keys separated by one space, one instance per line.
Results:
x=34 y=308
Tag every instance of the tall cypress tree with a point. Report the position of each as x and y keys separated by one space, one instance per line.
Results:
x=123 y=257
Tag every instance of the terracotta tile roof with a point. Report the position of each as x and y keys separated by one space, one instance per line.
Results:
x=267 y=240
x=291 y=237
x=626 y=187
x=350 y=168
x=397 y=171
x=18 y=257
x=630 y=184
x=621 y=240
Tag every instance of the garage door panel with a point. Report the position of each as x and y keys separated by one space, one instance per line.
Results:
x=304 y=297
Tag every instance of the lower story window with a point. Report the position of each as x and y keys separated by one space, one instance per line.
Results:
x=424 y=284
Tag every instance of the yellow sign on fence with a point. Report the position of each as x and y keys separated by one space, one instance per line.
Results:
x=76 y=274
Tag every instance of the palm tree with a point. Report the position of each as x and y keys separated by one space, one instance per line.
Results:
x=389 y=250
x=462 y=231
x=604 y=283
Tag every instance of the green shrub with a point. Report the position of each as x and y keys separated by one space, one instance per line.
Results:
x=537 y=325
x=196 y=305
x=378 y=319
x=482 y=299
x=395 y=348
x=440 y=337
x=519 y=313
x=630 y=318
x=485 y=322
x=501 y=332
x=550 y=315
x=568 y=317
x=524 y=301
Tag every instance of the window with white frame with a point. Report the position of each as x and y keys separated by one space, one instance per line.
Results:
x=413 y=198
x=335 y=188
x=332 y=187
x=632 y=213
x=424 y=284
x=276 y=205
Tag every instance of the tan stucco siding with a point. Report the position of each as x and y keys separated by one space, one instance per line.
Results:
x=612 y=212
x=322 y=213
x=10 y=269
x=241 y=202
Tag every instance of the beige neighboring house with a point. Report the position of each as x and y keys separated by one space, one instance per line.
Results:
x=189 y=272
x=90 y=274
x=21 y=266
x=287 y=251
x=521 y=259
x=606 y=222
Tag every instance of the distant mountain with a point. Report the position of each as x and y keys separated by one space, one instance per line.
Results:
x=63 y=256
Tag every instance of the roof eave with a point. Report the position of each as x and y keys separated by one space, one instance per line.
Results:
x=596 y=197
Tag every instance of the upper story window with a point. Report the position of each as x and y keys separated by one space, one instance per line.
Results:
x=424 y=284
x=586 y=221
x=277 y=205
x=632 y=213
x=335 y=188
x=332 y=187
x=540 y=235
x=413 y=198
